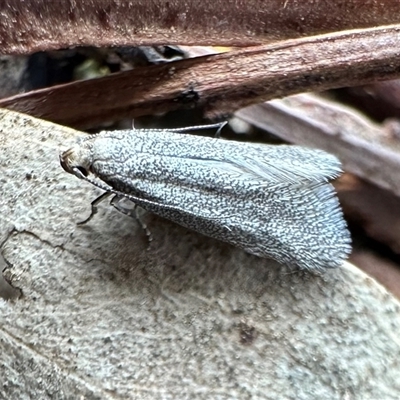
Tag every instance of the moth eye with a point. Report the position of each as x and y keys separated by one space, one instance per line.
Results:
x=69 y=161
x=65 y=161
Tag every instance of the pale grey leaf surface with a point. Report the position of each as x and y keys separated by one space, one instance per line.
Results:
x=102 y=317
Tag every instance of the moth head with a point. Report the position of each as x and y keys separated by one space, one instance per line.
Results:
x=76 y=161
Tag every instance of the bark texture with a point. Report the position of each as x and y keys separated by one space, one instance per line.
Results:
x=221 y=83
x=32 y=25
x=102 y=317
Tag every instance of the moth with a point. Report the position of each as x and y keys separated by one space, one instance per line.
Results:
x=273 y=201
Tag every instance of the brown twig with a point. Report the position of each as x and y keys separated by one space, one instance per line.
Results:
x=225 y=82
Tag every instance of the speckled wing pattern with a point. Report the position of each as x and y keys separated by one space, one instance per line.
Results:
x=272 y=201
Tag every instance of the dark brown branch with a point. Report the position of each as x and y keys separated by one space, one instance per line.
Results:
x=222 y=83
x=31 y=25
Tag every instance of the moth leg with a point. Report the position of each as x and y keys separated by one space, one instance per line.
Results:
x=116 y=202
x=94 y=205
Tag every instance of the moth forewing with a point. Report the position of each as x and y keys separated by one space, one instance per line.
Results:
x=272 y=201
